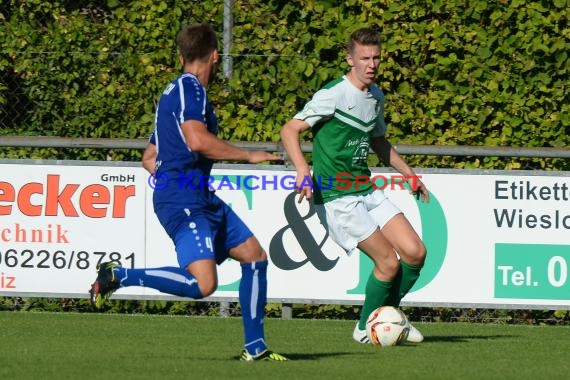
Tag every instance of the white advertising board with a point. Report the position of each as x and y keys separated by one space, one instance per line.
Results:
x=494 y=239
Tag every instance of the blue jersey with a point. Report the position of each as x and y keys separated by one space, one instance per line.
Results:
x=198 y=221
x=181 y=173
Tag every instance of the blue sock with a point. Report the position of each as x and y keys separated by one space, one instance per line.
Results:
x=171 y=280
x=252 y=298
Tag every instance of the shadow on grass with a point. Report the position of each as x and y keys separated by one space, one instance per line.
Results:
x=464 y=338
x=427 y=339
x=308 y=357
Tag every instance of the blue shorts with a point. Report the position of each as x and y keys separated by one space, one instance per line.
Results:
x=203 y=230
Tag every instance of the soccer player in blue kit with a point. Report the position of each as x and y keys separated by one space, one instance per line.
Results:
x=204 y=229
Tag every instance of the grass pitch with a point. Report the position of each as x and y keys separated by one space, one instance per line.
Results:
x=102 y=346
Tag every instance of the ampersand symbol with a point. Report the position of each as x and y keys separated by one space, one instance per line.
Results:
x=296 y=223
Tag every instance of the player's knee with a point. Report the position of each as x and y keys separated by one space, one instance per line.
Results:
x=417 y=254
x=259 y=255
x=388 y=269
x=207 y=288
x=249 y=251
x=392 y=268
x=207 y=285
x=255 y=254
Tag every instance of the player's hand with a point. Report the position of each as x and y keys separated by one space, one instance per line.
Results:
x=418 y=188
x=257 y=156
x=304 y=186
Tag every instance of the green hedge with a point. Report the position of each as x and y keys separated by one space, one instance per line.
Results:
x=455 y=72
x=274 y=310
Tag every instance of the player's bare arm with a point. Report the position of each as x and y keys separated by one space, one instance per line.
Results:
x=200 y=140
x=149 y=158
x=386 y=152
x=290 y=137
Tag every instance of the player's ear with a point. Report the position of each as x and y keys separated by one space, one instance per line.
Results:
x=181 y=60
x=215 y=57
x=349 y=60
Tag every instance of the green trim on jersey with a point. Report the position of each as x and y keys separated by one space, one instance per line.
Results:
x=365 y=125
x=333 y=83
x=340 y=155
x=343 y=120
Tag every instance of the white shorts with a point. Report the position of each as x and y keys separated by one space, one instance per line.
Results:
x=353 y=218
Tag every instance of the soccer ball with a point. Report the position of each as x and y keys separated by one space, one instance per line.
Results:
x=387 y=326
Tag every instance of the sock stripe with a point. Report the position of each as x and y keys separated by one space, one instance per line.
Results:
x=260 y=340
x=170 y=276
x=252 y=298
x=254 y=294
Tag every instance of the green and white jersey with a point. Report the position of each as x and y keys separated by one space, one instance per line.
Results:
x=343 y=120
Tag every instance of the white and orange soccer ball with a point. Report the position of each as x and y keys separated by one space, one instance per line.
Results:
x=387 y=326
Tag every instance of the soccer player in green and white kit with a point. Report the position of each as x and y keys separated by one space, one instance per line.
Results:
x=347 y=119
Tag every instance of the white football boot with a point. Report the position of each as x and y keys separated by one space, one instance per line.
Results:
x=360 y=335
x=414 y=335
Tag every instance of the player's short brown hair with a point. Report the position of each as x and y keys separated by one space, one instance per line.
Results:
x=196 y=42
x=363 y=36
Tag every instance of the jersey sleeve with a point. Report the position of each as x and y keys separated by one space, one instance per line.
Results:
x=380 y=125
x=152 y=138
x=193 y=100
x=321 y=107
